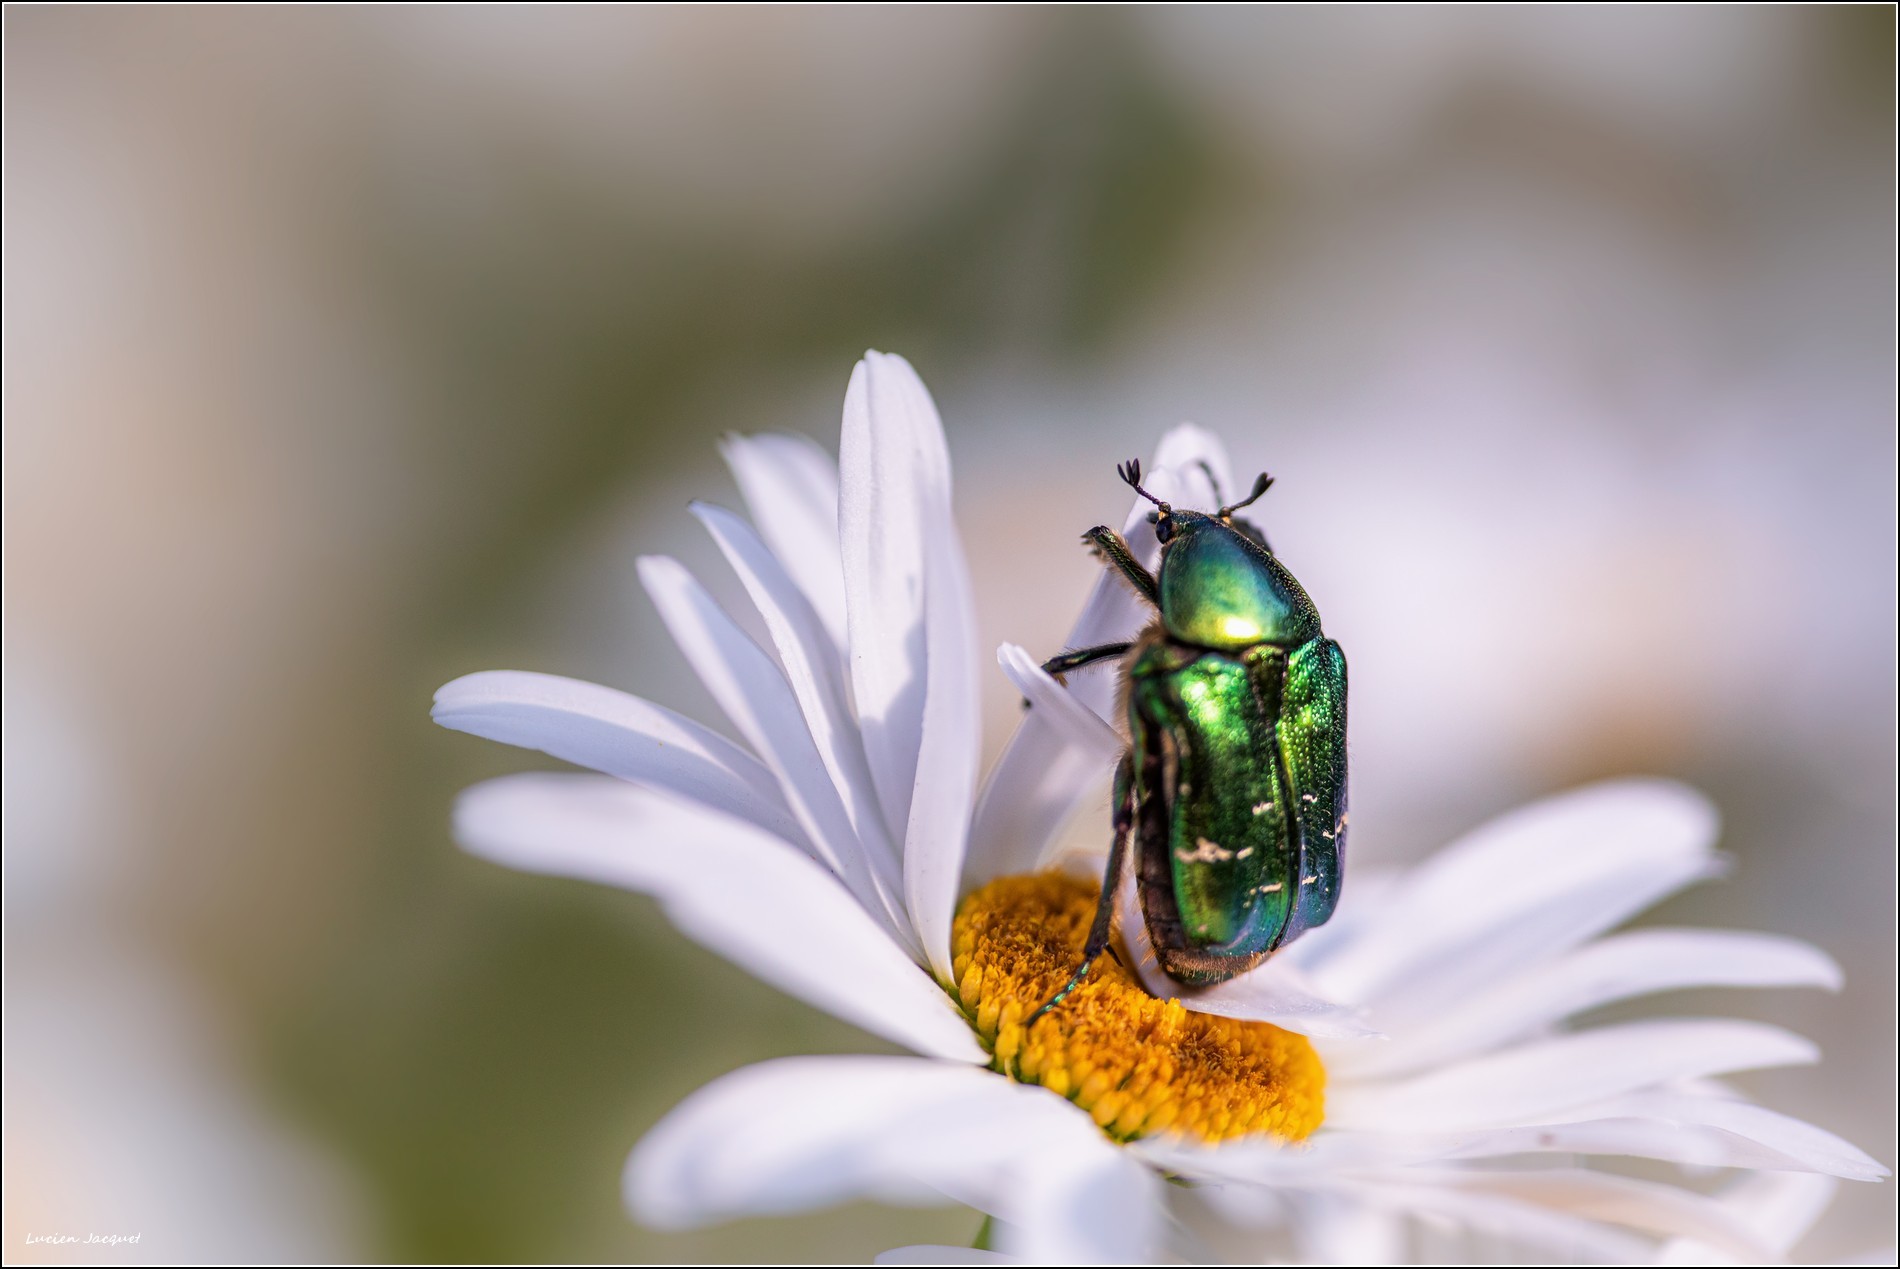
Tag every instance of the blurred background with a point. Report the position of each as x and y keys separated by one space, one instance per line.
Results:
x=350 y=350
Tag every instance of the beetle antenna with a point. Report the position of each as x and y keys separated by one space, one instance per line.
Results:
x=1261 y=484
x=1130 y=472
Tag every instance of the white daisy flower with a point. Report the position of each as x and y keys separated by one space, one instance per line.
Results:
x=842 y=854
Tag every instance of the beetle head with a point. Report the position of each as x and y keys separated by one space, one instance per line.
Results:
x=1163 y=517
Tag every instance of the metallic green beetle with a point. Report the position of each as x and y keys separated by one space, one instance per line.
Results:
x=1233 y=791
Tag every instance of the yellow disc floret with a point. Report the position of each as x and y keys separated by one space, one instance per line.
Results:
x=1139 y=1065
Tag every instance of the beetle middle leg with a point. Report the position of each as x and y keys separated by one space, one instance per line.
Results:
x=1063 y=662
x=1111 y=881
x=1110 y=546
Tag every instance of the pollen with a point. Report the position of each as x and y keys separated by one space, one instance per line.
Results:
x=1140 y=1066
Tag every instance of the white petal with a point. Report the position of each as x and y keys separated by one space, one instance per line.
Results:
x=1196 y=462
x=1277 y=994
x=938 y=830
x=1545 y=1079
x=1777 y=1207
x=1267 y=1162
x=913 y=641
x=798 y=1133
x=1033 y=789
x=1649 y=1206
x=1272 y=992
x=933 y=1254
x=1613 y=968
x=880 y=532
x=619 y=734
x=1554 y=1207
x=1696 y=1130
x=1042 y=779
x=1332 y=1229
x=1689 y=1144
x=1523 y=887
x=1083 y=1204
x=1081 y=726
x=1113 y=611
x=1209 y=1211
x=816 y=674
x=760 y=703
x=1802 y=1144
x=1570 y=1237
x=941 y=803
x=787 y=1136
x=791 y=487
x=1354 y=1176
x=728 y=886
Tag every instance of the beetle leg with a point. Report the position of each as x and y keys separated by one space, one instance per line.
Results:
x=1213 y=481
x=1062 y=663
x=1109 y=545
x=1111 y=881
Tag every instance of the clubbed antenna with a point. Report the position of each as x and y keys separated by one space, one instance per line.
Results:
x=1260 y=485
x=1130 y=472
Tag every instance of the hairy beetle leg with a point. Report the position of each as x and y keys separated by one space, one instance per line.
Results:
x=1060 y=664
x=1063 y=662
x=1111 y=881
x=1116 y=553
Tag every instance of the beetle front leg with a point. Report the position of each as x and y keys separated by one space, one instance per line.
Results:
x=1100 y=932
x=1110 y=546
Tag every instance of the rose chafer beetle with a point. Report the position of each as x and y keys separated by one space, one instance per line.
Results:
x=1232 y=794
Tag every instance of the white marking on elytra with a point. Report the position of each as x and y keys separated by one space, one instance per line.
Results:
x=1261 y=808
x=1269 y=889
x=1309 y=797
x=1307 y=881
x=1204 y=852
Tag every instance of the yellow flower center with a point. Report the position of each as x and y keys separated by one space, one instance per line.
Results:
x=1138 y=1065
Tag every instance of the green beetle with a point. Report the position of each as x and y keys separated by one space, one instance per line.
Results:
x=1233 y=791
